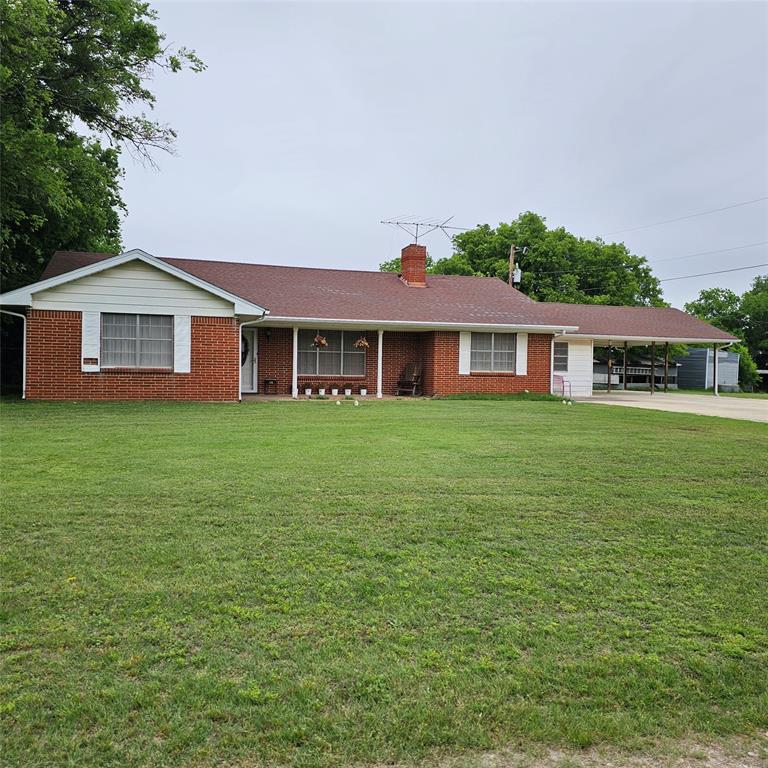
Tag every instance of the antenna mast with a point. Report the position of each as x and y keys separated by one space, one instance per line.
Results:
x=421 y=227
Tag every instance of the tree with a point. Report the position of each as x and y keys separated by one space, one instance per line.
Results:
x=754 y=306
x=721 y=307
x=557 y=266
x=72 y=84
x=744 y=316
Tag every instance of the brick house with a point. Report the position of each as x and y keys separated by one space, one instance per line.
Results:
x=132 y=326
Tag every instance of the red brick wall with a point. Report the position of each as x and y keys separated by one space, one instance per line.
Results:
x=443 y=378
x=276 y=356
x=437 y=351
x=53 y=364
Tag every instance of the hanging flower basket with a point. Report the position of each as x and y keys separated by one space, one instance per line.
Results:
x=319 y=341
x=362 y=343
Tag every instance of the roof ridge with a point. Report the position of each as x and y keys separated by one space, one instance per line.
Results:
x=315 y=269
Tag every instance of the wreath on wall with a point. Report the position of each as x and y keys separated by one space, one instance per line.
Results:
x=362 y=343
x=319 y=341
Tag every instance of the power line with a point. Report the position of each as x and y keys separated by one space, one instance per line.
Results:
x=681 y=277
x=718 y=272
x=689 y=216
x=575 y=270
x=707 y=253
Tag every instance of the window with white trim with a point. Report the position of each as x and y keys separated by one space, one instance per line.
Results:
x=136 y=341
x=492 y=352
x=337 y=357
x=560 y=358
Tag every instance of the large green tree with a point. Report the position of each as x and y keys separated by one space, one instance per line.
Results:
x=556 y=265
x=754 y=305
x=744 y=316
x=73 y=80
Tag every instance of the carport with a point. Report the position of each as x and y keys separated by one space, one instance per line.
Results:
x=619 y=329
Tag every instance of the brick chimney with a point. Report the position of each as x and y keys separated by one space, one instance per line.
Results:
x=413 y=265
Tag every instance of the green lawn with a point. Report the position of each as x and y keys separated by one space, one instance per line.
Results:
x=318 y=585
x=708 y=392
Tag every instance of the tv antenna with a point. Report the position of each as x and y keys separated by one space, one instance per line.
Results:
x=421 y=227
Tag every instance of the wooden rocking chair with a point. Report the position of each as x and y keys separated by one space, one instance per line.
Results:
x=410 y=381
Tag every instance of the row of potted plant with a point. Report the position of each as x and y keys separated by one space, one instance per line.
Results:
x=324 y=389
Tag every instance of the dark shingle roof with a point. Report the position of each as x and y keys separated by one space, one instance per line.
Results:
x=338 y=294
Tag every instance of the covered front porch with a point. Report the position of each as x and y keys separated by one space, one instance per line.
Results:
x=292 y=361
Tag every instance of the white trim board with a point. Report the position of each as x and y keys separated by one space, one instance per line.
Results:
x=645 y=340
x=22 y=297
x=415 y=325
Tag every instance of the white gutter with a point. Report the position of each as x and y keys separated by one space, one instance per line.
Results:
x=325 y=322
x=23 y=350
x=240 y=354
x=647 y=339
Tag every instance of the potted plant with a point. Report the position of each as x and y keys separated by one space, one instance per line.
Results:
x=347 y=390
x=308 y=391
x=334 y=391
x=321 y=390
x=363 y=391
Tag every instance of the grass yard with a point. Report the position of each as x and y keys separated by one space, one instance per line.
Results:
x=313 y=585
x=708 y=392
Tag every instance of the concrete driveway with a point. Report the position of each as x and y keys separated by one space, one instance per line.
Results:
x=750 y=409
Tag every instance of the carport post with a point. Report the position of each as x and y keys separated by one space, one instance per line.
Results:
x=609 y=369
x=625 y=365
x=653 y=367
x=379 y=360
x=714 y=372
x=295 y=364
x=666 y=365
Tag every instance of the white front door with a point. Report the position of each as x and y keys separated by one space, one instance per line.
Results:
x=249 y=361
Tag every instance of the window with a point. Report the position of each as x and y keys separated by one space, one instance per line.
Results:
x=561 y=356
x=136 y=341
x=340 y=356
x=493 y=352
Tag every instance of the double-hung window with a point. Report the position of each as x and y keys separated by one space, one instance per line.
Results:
x=560 y=360
x=492 y=352
x=337 y=357
x=136 y=341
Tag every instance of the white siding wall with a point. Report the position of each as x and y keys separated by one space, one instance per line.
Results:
x=579 y=372
x=134 y=287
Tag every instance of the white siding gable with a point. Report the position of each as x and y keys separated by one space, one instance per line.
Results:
x=133 y=287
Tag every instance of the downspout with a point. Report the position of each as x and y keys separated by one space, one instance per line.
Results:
x=552 y=365
x=23 y=350
x=715 y=387
x=240 y=354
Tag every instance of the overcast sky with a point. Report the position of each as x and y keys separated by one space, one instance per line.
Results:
x=314 y=122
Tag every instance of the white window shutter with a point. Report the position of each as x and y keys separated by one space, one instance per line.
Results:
x=90 y=342
x=182 y=343
x=465 y=351
x=521 y=354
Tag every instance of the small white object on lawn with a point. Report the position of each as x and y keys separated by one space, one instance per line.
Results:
x=338 y=402
x=563 y=402
x=356 y=402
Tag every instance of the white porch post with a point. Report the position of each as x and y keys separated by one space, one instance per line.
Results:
x=379 y=357
x=715 y=390
x=295 y=365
